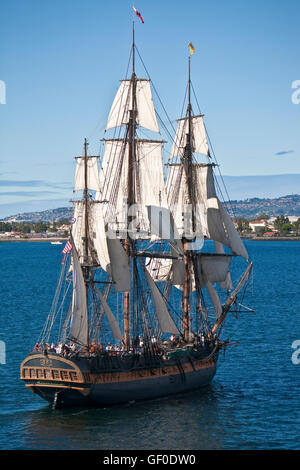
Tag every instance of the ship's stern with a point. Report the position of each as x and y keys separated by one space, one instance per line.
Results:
x=56 y=379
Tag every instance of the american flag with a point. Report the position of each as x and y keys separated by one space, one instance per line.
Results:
x=67 y=248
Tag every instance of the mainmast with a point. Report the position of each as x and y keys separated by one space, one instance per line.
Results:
x=188 y=168
x=86 y=198
x=86 y=269
x=131 y=187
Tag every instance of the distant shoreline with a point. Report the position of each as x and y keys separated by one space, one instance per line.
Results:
x=49 y=240
x=272 y=239
x=255 y=239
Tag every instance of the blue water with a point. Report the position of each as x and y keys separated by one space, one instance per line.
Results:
x=252 y=403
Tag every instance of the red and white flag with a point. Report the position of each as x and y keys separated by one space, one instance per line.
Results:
x=67 y=248
x=138 y=14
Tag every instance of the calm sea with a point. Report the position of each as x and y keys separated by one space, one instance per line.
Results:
x=252 y=403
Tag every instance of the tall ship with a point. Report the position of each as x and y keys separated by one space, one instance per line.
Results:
x=145 y=284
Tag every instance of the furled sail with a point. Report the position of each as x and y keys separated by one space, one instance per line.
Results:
x=166 y=323
x=122 y=105
x=114 y=326
x=199 y=139
x=79 y=319
x=92 y=174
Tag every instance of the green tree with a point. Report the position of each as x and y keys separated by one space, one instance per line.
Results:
x=53 y=228
x=286 y=228
x=24 y=228
x=41 y=227
x=281 y=221
x=296 y=226
x=63 y=222
x=243 y=225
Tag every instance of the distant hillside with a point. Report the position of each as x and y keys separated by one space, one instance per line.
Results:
x=267 y=188
x=251 y=208
x=50 y=215
x=248 y=208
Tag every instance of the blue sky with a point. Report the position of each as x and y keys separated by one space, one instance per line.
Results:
x=61 y=61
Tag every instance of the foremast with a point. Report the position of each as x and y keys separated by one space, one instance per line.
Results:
x=84 y=255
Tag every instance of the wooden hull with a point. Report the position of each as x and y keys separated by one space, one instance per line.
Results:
x=71 y=383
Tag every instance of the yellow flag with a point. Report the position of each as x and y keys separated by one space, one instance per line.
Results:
x=192 y=49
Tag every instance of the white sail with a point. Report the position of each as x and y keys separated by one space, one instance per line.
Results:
x=79 y=318
x=97 y=245
x=148 y=182
x=113 y=181
x=114 y=326
x=199 y=139
x=119 y=266
x=211 y=217
x=162 y=226
x=208 y=203
x=78 y=227
x=215 y=299
x=214 y=267
x=98 y=235
x=235 y=242
x=219 y=224
x=163 y=270
x=227 y=284
x=166 y=323
x=122 y=104
x=200 y=144
x=159 y=269
x=207 y=218
x=177 y=195
x=150 y=176
x=92 y=174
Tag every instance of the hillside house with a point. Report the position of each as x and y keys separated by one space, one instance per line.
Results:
x=257 y=225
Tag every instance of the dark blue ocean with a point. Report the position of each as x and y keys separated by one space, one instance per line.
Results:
x=252 y=403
